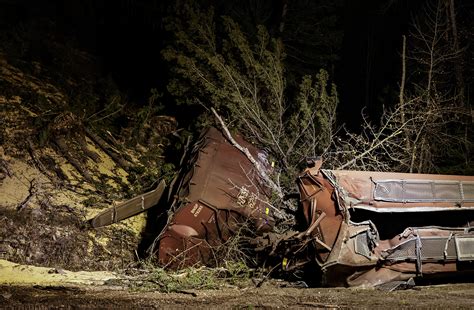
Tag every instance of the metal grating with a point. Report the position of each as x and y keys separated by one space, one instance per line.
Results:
x=465 y=247
x=468 y=191
x=432 y=248
x=423 y=191
x=362 y=244
x=403 y=251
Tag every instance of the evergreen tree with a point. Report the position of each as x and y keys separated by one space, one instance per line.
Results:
x=215 y=64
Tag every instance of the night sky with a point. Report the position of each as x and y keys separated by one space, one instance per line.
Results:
x=127 y=37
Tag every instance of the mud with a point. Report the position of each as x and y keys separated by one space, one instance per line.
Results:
x=459 y=296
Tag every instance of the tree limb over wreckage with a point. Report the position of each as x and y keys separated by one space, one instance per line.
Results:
x=245 y=151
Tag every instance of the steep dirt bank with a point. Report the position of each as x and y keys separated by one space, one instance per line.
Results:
x=45 y=202
x=67 y=151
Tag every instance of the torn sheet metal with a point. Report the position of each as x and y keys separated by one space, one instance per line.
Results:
x=367 y=253
x=356 y=228
x=129 y=208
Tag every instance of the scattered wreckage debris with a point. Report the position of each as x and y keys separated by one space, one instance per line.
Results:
x=129 y=208
x=364 y=229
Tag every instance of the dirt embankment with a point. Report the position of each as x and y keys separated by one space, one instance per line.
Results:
x=45 y=202
x=65 y=157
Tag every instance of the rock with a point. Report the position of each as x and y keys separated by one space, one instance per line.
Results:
x=57 y=271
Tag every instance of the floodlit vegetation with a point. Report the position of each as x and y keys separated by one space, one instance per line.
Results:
x=234 y=274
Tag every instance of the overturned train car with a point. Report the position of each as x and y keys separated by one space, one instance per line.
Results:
x=219 y=195
x=355 y=228
x=373 y=228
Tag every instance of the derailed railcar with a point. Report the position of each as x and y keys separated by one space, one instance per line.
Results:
x=373 y=228
x=218 y=193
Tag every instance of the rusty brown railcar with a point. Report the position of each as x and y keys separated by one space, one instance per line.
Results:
x=372 y=228
x=219 y=192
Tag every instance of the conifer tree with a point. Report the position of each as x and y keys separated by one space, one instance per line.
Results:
x=215 y=64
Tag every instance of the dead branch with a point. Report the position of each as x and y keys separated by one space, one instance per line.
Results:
x=371 y=149
x=37 y=162
x=64 y=148
x=108 y=149
x=31 y=192
x=4 y=168
x=263 y=174
x=402 y=89
x=82 y=143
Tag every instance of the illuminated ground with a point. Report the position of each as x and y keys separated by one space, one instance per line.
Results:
x=459 y=296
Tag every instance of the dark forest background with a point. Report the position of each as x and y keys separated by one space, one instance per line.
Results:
x=358 y=44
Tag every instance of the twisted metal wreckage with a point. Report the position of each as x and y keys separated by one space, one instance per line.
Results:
x=356 y=228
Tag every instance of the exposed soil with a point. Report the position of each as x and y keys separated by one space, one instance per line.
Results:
x=459 y=296
x=59 y=167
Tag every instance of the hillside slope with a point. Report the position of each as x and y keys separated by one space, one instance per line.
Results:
x=71 y=145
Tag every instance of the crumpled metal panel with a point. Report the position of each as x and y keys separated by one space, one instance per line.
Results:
x=318 y=201
x=405 y=192
x=220 y=192
x=357 y=256
x=129 y=208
